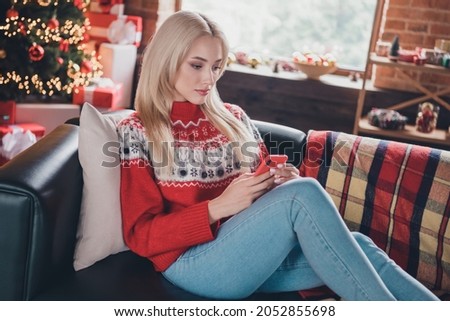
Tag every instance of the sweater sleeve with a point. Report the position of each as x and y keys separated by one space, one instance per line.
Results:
x=148 y=229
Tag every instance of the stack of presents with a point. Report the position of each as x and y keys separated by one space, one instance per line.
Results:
x=115 y=37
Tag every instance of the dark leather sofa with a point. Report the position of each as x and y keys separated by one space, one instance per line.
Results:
x=40 y=196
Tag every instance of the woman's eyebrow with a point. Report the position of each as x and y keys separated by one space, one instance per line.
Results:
x=205 y=60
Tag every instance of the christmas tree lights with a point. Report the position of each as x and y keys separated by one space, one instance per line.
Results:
x=43 y=48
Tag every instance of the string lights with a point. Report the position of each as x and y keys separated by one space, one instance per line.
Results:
x=57 y=61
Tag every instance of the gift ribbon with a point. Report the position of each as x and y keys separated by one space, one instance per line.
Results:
x=97 y=83
x=122 y=32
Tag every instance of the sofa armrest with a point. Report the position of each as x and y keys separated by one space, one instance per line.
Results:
x=40 y=196
x=281 y=139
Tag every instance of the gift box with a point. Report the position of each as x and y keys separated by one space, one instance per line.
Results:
x=118 y=29
x=107 y=6
x=100 y=96
x=16 y=138
x=119 y=63
x=7 y=112
x=49 y=115
x=36 y=129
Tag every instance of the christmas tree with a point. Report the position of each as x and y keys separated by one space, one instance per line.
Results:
x=43 y=49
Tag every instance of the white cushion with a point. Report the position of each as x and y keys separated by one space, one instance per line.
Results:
x=100 y=226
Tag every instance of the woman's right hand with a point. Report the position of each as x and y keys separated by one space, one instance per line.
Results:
x=239 y=195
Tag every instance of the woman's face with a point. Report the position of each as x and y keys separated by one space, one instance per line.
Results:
x=199 y=71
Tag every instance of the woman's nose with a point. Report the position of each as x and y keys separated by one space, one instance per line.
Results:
x=208 y=77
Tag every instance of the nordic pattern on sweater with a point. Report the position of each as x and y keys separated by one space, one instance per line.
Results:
x=163 y=214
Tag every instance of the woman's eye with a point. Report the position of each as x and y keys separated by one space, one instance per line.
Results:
x=216 y=68
x=196 y=66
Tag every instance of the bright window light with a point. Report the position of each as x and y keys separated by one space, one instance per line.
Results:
x=280 y=28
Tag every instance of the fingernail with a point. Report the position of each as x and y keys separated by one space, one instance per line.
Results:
x=272 y=171
x=280 y=165
x=277 y=181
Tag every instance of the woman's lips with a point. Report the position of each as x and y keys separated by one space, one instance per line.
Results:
x=202 y=92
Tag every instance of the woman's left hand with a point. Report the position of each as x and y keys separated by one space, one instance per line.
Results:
x=284 y=173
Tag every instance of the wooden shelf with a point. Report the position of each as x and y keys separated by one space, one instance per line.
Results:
x=384 y=61
x=438 y=136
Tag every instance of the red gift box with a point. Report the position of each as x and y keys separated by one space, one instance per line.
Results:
x=107 y=6
x=104 y=28
x=102 y=97
x=7 y=112
x=36 y=129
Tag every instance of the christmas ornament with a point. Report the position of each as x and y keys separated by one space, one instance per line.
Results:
x=64 y=45
x=36 y=52
x=73 y=71
x=60 y=60
x=22 y=28
x=3 y=54
x=53 y=23
x=12 y=14
x=44 y=3
x=86 y=66
x=78 y=3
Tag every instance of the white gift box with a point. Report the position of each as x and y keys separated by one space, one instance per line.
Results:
x=119 y=29
x=119 y=63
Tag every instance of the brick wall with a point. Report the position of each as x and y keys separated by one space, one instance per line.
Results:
x=418 y=23
x=153 y=12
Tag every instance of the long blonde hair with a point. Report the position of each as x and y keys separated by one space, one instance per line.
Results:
x=155 y=91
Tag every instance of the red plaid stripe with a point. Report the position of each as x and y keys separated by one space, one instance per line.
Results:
x=396 y=193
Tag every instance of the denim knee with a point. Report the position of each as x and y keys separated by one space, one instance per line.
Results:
x=309 y=192
x=304 y=185
x=363 y=240
x=372 y=251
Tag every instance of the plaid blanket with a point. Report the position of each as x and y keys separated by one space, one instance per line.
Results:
x=396 y=193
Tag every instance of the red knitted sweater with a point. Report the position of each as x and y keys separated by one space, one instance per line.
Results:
x=165 y=214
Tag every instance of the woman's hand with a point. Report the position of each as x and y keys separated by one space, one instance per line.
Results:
x=284 y=173
x=239 y=195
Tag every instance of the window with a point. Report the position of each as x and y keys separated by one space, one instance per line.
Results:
x=276 y=28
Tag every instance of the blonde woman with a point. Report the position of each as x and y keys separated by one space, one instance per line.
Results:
x=192 y=205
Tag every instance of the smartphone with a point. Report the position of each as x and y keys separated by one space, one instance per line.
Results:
x=269 y=162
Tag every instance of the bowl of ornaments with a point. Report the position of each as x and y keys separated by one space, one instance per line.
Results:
x=314 y=65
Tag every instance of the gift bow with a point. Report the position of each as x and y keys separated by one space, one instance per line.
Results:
x=102 y=82
x=16 y=141
x=122 y=32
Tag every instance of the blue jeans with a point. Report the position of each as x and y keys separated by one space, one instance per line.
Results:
x=292 y=238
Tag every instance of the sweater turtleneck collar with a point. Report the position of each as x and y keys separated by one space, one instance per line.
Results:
x=185 y=110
